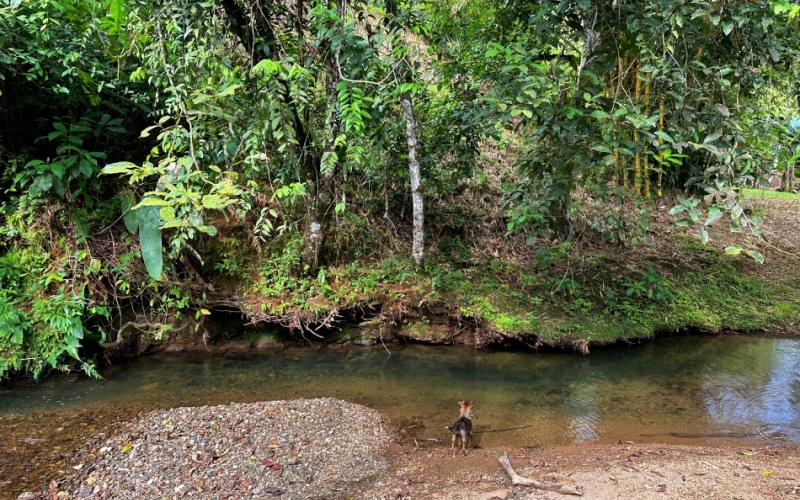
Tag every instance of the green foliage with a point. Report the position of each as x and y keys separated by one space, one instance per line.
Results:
x=719 y=200
x=149 y=221
x=71 y=172
x=150 y=153
x=790 y=9
x=652 y=286
x=597 y=90
x=280 y=270
x=604 y=214
x=42 y=315
x=736 y=250
x=13 y=321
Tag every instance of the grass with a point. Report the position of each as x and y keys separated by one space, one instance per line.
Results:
x=769 y=194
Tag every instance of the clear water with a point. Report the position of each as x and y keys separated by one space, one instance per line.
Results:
x=681 y=389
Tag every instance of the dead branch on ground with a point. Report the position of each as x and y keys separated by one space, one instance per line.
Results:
x=525 y=481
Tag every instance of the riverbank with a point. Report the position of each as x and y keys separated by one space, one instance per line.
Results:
x=499 y=292
x=603 y=472
x=328 y=448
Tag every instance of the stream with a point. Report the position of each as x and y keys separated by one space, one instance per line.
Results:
x=701 y=390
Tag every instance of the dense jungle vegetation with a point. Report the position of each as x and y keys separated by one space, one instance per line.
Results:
x=561 y=171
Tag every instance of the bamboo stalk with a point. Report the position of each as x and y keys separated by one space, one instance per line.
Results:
x=620 y=163
x=617 y=168
x=660 y=142
x=637 y=176
x=646 y=162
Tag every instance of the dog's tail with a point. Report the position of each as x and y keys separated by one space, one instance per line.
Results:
x=451 y=429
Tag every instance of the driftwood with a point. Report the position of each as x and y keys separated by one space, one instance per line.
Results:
x=525 y=481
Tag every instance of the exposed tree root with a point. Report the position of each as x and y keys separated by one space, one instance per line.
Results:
x=127 y=326
x=147 y=326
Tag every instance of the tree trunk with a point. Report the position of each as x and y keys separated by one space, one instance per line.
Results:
x=418 y=247
x=788 y=177
x=320 y=173
x=318 y=209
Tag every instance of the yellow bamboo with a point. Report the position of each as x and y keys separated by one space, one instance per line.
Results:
x=619 y=165
x=637 y=176
x=615 y=86
x=646 y=163
x=660 y=142
x=623 y=164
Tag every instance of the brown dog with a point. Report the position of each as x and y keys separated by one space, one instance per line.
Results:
x=462 y=429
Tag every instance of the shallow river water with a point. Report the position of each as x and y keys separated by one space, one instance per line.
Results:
x=694 y=390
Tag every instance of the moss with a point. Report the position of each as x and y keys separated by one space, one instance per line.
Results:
x=510 y=322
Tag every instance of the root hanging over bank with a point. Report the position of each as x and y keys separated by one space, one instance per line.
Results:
x=145 y=325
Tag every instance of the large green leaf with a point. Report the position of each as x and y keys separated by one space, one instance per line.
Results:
x=120 y=167
x=150 y=239
x=129 y=216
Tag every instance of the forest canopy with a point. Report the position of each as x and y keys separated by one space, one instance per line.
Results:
x=156 y=154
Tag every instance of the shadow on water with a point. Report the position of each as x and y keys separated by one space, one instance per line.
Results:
x=683 y=389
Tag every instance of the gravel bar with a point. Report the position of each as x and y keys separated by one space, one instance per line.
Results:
x=304 y=448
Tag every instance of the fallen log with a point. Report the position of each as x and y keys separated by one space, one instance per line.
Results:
x=526 y=481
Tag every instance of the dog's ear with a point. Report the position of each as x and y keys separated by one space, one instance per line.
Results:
x=462 y=403
x=472 y=404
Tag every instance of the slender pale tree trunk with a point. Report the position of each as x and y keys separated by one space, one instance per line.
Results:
x=320 y=176
x=318 y=210
x=320 y=167
x=418 y=247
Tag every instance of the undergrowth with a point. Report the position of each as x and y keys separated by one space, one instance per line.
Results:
x=562 y=293
x=627 y=273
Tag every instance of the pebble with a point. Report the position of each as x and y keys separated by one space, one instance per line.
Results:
x=303 y=448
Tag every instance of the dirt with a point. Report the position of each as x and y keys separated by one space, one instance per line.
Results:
x=600 y=471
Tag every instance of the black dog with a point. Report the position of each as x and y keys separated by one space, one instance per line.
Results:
x=462 y=429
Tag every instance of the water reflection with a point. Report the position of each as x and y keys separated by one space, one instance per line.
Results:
x=758 y=384
x=672 y=389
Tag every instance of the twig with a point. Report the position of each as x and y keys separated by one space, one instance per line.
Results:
x=382 y=342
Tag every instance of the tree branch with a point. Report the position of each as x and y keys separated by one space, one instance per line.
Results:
x=525 y=481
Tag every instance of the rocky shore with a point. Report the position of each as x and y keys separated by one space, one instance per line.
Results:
x=305 y=448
